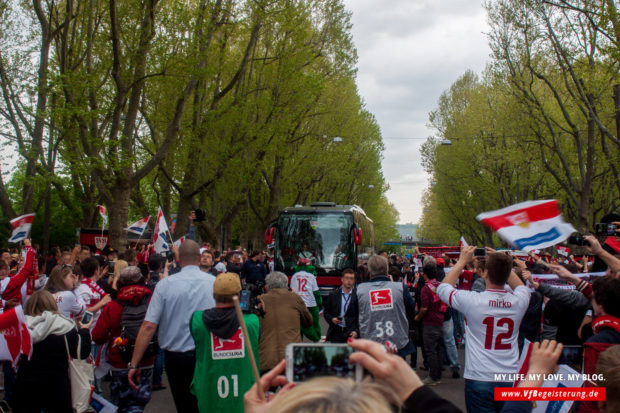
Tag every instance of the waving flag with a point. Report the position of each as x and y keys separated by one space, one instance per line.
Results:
x=160 y=236
x=139 y=227
x=15 y=339
x=179 y=241
x=21 y=227
x=562 y=250
x=529 y=225
x=104 y=214
x=462 y=242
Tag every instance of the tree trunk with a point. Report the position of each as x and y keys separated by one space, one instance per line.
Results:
x=119 y=212
x=183 y=211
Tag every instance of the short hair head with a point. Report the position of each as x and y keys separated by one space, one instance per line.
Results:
x=395 y=273
x=154 y=262
x=377 y=265
x=337 y=395
x=130 y=276
x=39 y=302
x=348 y=271
x=607 y=294
x=276 y=279
x=89 y=266
x=189 y=253
x=430 y=270
x=499 y=266
x=429 y=260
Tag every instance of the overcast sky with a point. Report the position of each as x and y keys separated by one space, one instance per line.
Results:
x=410 y=51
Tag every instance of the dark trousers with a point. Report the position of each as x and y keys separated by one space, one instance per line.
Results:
x=180 y=371
x=336 y=334
x=433 y=340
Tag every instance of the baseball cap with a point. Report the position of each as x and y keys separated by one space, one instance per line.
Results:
x=227 y=283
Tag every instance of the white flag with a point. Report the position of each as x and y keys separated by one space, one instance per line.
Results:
x=21 y=227
x=160 y=236
x=139 y=227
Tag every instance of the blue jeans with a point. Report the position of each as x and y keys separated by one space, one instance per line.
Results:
x=448 y=341
x=127 y=399
x=457 y=320
x=158 y=368
x=480 y=397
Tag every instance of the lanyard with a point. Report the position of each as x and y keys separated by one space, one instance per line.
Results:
x=346 y=302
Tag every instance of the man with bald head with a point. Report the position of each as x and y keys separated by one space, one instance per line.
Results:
x=174 y=301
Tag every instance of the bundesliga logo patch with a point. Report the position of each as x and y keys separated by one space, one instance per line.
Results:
x=231 y=348
x=381 y=300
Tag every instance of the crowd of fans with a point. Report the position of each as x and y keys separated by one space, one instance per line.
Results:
x=147 y=313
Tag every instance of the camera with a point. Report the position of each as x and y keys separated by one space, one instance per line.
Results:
x=167 y=256
x=605 y=229
x=201 y=215
x=248 y=299
x=578 y=239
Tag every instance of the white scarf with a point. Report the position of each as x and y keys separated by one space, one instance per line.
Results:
x=43 y=325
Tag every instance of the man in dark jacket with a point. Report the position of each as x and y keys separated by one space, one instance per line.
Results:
x=253 y=270
x=341 y=310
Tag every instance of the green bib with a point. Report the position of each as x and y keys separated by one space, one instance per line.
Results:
x=223 y=370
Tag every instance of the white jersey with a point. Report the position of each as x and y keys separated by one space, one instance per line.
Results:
x=492 y=320
x=304 y=284
x=70 y=304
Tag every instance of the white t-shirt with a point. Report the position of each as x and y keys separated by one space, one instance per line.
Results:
x=304 y=284
x=70 y=304
x=492 y=320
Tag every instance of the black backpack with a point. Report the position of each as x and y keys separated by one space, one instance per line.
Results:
x=131 y=321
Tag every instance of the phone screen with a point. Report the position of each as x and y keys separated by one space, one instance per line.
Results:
x=321 y=360
x=480 y=252
x=244 y=300
x=86 y=317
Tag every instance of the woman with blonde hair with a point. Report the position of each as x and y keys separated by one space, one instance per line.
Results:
x=47 y=372
x=118 y=268
x=63 y=285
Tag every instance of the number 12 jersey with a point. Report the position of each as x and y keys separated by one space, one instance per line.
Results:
x=492 y=320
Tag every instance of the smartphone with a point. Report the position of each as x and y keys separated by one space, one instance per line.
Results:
x=305 y=361
x=244 y=300
x=480 y=252
x=86 y=317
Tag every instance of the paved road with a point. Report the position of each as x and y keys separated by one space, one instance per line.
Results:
x=451 y=389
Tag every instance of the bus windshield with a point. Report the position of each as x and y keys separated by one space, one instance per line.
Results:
x=324 y=239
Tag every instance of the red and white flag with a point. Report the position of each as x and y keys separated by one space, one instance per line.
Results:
x=529 y=225
x=462 y=242
x=161 y=242
x=562 y=250
x=139 y=227
x=179 y=241
x=15 y=338
x=21 y=227
x=104 y=214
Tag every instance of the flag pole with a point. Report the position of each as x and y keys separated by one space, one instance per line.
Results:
x=248 y=346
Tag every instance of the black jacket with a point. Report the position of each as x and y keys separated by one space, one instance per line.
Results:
x=332 y=309
x=46 y=374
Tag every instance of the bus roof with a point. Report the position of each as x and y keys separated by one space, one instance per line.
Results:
x=322 y=207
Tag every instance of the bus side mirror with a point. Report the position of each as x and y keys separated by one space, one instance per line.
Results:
x=357 y=236
x=269 y=235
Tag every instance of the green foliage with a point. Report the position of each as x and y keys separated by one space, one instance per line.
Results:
x=228 y=106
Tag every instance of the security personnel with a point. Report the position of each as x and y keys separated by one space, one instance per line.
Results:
x=382 y=308
x=223 y=370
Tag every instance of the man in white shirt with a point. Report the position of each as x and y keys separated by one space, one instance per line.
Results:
x=492 y=325
x=303 y=282
x=174 y=301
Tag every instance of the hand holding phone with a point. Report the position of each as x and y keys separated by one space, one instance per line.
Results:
x=305 y=361
x=388 y=368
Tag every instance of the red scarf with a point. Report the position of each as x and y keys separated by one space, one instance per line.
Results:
x=95 y=289
x=606 y=321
